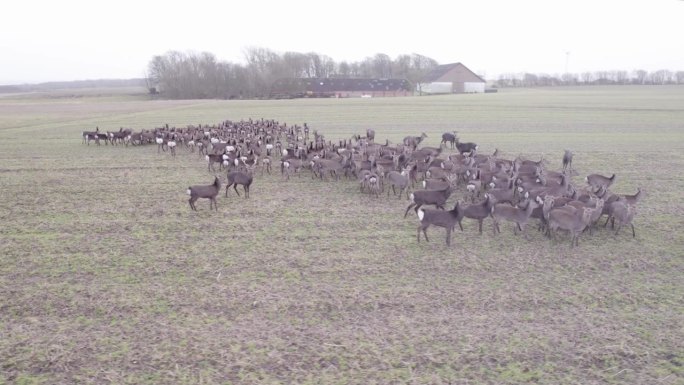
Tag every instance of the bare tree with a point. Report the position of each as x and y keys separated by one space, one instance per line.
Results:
x=382 y=66
x=640 y=76
x=679 y=77
x=621 y=77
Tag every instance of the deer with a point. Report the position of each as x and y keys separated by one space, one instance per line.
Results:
x=468 y=147
x=266 y=165
x=172 y=147
x=624 y=213
x=502 y=211
x=161 y=142
x=599 y=182
x=322 y=166
x=374 y=184
x=91 y=135
x=448 y=137
x=238 y=177
x=627 y=199
x=414 y=141
x=478 y=211
x=370 y=134
x=204 y=191
x=575 y=221
x=213 y=158
x=428 y=197
x=567 y=160
x=504 y=194
x=440 y=218
x=292 y=165
x=400 y=180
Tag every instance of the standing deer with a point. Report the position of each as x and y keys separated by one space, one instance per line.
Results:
x=238 y=177
x=446 y=219
x=204 y=191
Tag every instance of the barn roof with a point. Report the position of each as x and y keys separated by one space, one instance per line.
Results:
x=444 y=69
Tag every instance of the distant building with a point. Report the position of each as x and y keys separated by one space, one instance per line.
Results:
x=339 y=88
x=452 y=78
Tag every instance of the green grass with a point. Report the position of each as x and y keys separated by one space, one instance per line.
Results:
x=107 y=276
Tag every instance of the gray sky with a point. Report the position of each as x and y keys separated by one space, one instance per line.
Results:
x=49 y=40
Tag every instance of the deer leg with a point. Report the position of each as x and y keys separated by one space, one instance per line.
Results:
x=633 y=233
x=524 y=233
x=448 y=236
x=408 y=208
x=235 y=188
x=246 y=187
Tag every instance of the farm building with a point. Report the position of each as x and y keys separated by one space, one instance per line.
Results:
x=339 y=87
x=452 y=78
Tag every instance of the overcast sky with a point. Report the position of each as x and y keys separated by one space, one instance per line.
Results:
x=54 y=40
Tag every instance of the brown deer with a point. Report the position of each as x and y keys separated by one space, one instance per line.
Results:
x=238 y=177
x=519 y=216
x=572 y=220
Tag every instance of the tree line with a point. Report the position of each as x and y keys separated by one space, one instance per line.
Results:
x=639 y=77
x=190 y=75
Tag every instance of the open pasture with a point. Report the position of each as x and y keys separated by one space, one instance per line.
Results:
x=108 y=276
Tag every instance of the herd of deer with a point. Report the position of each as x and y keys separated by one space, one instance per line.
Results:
x=505 y=190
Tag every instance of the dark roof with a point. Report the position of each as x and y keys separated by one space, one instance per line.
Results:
x=339 y=85
x=444 y=69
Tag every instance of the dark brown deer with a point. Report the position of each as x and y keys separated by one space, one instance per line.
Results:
x=204 y=191
x=448 y=137
x=428 y=197
x=467 y=147
x=213 y=158
x=91 y=135
x=440 y=218
x=567 y=160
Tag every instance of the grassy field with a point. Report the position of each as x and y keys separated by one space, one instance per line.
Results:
x=107 y=276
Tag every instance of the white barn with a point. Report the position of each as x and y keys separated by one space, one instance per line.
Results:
x=452 y=78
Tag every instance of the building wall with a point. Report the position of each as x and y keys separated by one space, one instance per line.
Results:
x=436 y=88
x=474 y=87
x=452 y=88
